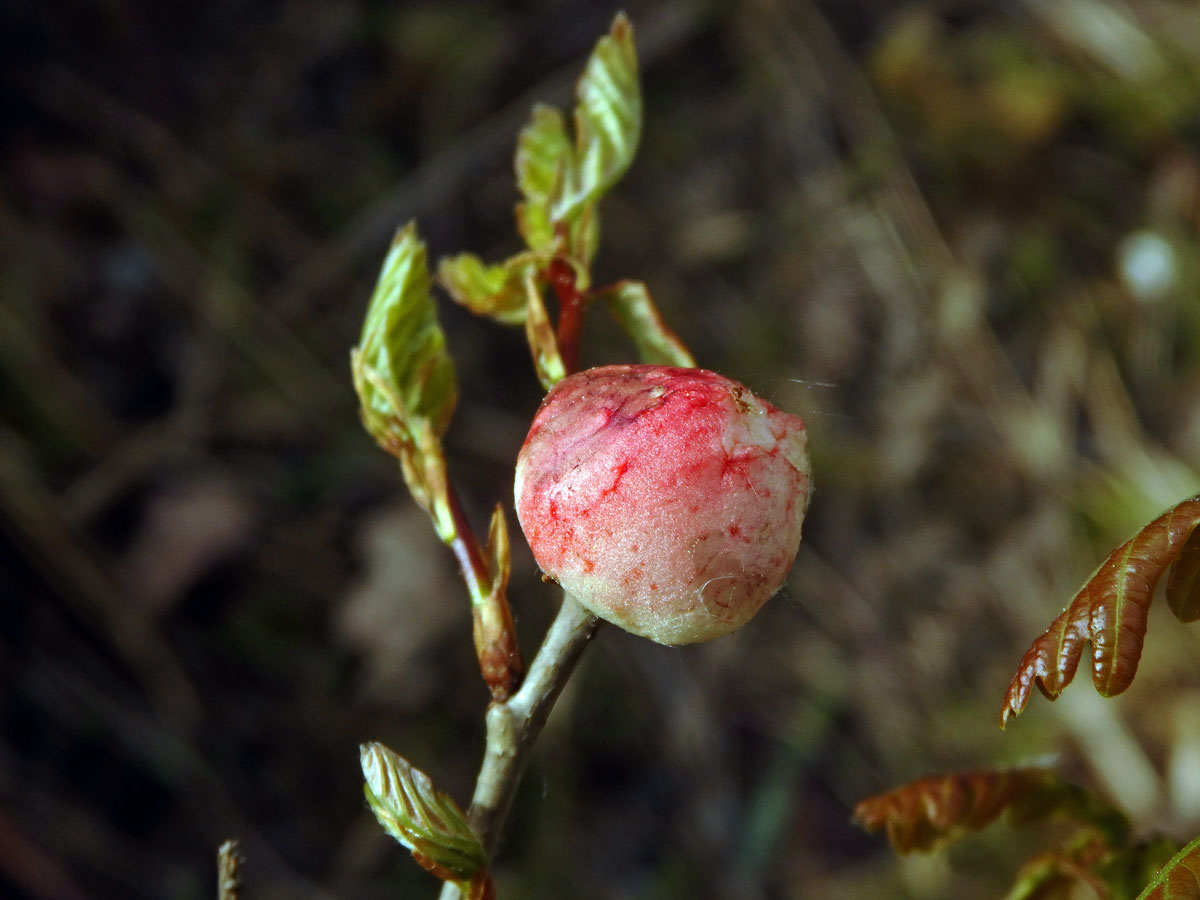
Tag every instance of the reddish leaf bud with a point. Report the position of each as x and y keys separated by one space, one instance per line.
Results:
x=668 y=501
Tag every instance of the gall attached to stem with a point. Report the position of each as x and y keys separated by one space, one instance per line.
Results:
x=667 y=501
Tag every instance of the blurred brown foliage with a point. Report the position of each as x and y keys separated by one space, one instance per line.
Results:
x=960 y=238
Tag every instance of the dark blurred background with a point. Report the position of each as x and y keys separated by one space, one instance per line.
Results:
x=960 y=238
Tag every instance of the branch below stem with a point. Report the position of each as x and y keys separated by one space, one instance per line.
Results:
x=513 y=727
x=466 y=549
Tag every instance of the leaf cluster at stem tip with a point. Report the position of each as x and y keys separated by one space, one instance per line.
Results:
x=561 y=181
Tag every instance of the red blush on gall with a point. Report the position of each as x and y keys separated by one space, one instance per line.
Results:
x=667 y=501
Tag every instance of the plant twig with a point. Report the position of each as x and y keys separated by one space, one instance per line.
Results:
x=571 y=307
x=500 y=660
x=229 y=875
x=513 y=727
x=466 y=549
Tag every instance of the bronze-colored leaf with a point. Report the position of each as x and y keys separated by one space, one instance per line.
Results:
x=1110 y=611
x=1051 y=661
x=1179 y=879
x=933 y=811
x=1183 y=582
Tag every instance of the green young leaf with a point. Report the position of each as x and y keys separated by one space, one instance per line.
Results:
x=635 y=312
x=535 y=227
x=543 y=158
x=583 y=241
x=608 y=122
x=1111 y=610
x=933 y=811
x=543 y=155
x=420 y=817
x=486 y=290
x=403 y=345
x=1179 y=879
x=404 y=376
x=561 y=181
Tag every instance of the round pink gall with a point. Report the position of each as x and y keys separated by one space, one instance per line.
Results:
x=668 y=501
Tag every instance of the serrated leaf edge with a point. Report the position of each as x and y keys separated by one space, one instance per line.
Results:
x=936 y=810
x=1107 y=613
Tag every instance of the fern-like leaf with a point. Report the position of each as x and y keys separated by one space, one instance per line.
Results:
x=933 y=811
x=1110 y=611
